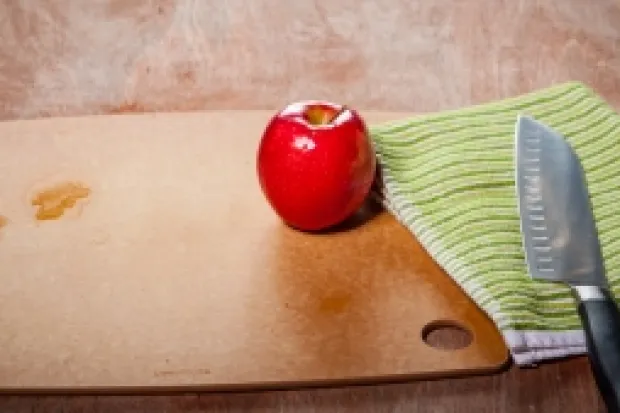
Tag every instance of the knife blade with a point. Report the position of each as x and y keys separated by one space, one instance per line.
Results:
x=561 y=244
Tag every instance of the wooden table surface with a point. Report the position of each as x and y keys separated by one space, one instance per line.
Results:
x=65 y=57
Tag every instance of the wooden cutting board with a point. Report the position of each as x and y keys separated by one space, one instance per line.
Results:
x=137 y=252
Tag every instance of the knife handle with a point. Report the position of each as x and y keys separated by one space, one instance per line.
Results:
x=601 y=322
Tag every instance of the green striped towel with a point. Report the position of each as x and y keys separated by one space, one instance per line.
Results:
x=449 y=177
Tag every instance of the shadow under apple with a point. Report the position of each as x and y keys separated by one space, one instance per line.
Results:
x=370 y=209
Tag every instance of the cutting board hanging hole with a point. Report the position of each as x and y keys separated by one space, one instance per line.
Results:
x=446 y=335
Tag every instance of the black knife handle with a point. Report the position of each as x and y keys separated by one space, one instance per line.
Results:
x=601 y=322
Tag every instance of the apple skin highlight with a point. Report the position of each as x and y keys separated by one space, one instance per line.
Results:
x=315 y=164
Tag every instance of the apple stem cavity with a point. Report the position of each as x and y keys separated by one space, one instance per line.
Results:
x=318 y=116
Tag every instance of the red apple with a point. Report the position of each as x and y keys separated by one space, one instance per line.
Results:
x=315 y=164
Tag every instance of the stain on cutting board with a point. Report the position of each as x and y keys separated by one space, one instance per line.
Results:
x=3 y=221
x=335 y=303
x=54 y=201
x=329 y=313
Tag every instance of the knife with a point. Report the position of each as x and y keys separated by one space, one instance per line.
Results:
x=561 y=243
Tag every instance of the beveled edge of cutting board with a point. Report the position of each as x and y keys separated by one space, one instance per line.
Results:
x=262 y=386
